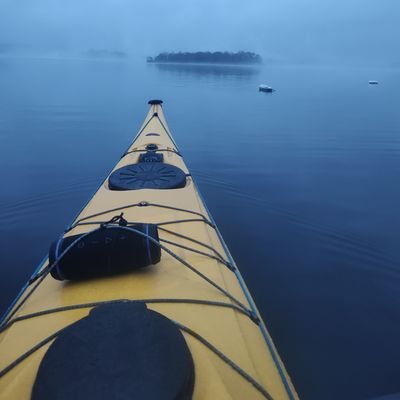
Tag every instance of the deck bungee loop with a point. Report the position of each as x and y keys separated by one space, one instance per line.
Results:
x=144 y=248
x=42 y=274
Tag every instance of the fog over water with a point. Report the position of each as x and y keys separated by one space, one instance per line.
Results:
x=303 y=182
x=335 y=32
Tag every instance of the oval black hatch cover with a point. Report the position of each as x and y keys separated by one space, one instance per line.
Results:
x=120 y=351
x=147 y=176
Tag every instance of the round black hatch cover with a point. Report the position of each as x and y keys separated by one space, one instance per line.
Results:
x=120 y=351
x=147 y=176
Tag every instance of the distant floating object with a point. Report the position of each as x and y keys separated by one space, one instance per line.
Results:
x=265 y=88
x=373 y=82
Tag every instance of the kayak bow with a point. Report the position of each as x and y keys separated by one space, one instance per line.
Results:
x=143 y=276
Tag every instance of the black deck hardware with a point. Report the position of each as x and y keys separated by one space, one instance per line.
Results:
x=152 y=147
x=151 y=156
x=155 y=102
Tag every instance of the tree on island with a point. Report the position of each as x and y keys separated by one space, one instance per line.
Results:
x=241 y=57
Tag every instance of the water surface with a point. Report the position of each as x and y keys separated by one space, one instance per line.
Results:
x=303 y=184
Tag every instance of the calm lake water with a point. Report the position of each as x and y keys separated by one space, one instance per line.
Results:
x=303 y=183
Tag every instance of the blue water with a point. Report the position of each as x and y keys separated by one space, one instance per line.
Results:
x=303 y=183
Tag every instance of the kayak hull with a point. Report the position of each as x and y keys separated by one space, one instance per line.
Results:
x=169 y=287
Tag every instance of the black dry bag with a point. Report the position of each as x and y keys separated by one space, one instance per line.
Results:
x=105 y=252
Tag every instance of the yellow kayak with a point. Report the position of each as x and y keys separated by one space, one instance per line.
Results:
x=139 y=298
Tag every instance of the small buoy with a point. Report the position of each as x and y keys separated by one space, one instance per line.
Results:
x=373 y=82
x=265 y=88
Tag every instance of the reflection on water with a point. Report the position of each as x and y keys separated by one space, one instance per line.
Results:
x=204 y=70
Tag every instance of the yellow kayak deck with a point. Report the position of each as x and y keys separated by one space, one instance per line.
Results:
x=230 y=323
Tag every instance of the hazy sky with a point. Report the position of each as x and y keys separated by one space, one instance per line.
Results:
x=363 y=32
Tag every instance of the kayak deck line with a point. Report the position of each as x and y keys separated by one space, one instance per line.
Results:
x=139 y=204
x=144 y=151
x=186 y=329
x=232 y=364
x=42 y=274
x=98 y=303
x=268 y=340
x=221 y=257
x=226 y=334
x=146 y=123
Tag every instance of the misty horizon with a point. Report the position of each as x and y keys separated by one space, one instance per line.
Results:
x=345 y=32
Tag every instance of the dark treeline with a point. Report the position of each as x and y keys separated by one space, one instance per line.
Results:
x=220 y=57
